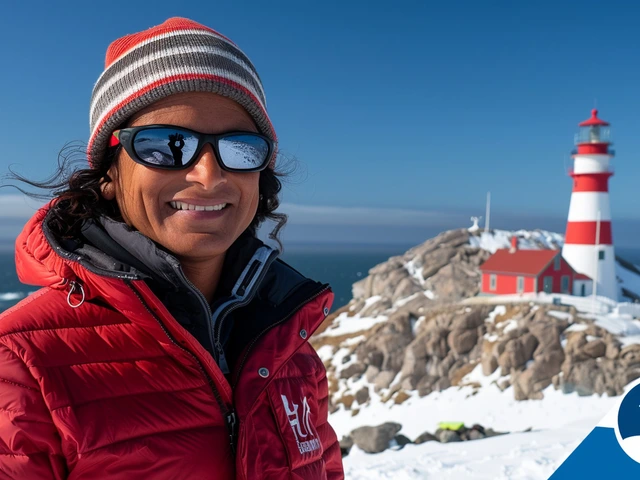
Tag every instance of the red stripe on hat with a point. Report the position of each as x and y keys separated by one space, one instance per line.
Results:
x=174 y=78
x=126 y=43
x=584 y=233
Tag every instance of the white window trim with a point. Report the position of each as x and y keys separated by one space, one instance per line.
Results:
x=519 y=288
x=493 y=281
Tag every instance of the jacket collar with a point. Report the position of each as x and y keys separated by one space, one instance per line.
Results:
x=112 y=249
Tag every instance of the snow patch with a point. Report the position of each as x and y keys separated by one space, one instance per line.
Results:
x=560 y=315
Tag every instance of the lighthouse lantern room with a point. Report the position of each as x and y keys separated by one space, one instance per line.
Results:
x=588 y=243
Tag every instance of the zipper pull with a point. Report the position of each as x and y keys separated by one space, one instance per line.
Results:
x=222 y=359
x=231 y=425
x=75 y=287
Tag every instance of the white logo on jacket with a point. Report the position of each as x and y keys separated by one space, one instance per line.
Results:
x=305 y=437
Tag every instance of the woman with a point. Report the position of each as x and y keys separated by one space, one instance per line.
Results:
x=168 y=342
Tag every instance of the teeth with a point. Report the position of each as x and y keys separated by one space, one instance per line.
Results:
x=199 y=208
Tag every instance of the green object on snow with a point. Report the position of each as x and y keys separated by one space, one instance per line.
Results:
x=455 y=426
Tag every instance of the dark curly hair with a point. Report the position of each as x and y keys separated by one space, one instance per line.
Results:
x=79 y=197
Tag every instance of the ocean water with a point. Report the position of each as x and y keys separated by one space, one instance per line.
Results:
x=338 y=265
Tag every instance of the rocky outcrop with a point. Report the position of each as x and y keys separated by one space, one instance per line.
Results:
x=425 y=347
x=446 y=266
x=424 y=339
x=598 y=366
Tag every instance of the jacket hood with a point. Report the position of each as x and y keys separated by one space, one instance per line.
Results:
x=37 y=262
x=43 y=259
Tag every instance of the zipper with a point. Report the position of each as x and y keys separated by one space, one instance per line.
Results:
x=273 y=325
x=228 y=412
x=203 y=303
x=217 y=322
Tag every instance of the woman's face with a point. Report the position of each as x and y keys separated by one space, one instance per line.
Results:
x=145 y=195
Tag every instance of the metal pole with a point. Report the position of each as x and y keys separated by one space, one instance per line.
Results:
x=595 y=280
x=488 y=216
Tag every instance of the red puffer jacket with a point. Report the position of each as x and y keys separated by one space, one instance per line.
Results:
x=117 y=388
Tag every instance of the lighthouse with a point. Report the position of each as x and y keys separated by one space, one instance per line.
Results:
x=588 y=243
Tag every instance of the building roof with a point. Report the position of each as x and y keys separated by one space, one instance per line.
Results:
x=521 y=262
x=594 y=120
x=582 y=276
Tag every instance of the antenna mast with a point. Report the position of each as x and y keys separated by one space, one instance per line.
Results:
x=487 y=218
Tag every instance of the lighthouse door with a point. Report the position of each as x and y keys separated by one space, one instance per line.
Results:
x=548 y=284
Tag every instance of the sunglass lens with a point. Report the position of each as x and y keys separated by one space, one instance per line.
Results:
x=243 y=152
x=165 y=147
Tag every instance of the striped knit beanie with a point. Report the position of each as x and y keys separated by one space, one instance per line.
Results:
x=177 y=56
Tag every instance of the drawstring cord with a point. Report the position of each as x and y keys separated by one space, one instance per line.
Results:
x=75 y=286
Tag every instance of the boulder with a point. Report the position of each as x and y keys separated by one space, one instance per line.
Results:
x=489 y=364
x=383 y=380
x=353 y=370
x=462 y=341
x=517 y=352
x=447 y=436
x=630 y=355
x=441 y=384
x=425 y=437
x=346 y=442
x=528 y=385
x=473 y=435
x=405 y=288
x=579 y=377
x=401 y=441
x=613 y=348
x=595 y=348
x=414 y=366
x=436 y=342
x=425 y=385
x=362 y=395
x=371 y=373
x=469 y=320
x=375 y=439
x=547 y=334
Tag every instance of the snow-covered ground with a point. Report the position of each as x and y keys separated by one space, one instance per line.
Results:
x=496 y=239
x=488 y=406
x=522 y=456
x=559 y=422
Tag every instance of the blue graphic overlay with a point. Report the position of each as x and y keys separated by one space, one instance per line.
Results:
x=599 y=457
x=629 y=414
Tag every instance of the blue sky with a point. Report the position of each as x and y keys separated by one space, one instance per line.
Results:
x=419 y=107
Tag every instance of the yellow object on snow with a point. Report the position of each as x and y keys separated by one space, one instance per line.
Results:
x=455 y=426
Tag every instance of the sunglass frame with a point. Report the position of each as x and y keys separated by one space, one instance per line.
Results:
x=126 y=137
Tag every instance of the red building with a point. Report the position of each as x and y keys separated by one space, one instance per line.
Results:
x=511 y=270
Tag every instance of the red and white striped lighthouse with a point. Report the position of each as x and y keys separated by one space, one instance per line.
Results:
x=588 y=243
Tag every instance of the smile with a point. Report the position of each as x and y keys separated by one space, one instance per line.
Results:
x=200 y=208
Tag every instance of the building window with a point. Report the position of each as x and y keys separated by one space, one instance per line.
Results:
x=556 y=262
x=493 y=282
x=600 y=255
x=520 y=284
x=564 y=284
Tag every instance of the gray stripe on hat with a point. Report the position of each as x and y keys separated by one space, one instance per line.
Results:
x=177 y=64
x=202 y=39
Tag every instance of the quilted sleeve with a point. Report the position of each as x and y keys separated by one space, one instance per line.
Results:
x=29 y=442
x=332 y=455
